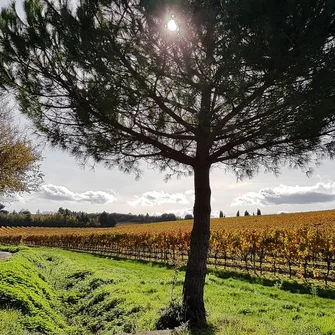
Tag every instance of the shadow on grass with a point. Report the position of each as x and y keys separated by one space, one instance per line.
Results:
x=10 y=248
x=285 y=285
x=137 y=261
x=203 y=331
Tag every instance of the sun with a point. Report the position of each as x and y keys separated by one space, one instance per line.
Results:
x=172 y=25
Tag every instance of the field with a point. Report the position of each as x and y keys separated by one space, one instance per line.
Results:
x=51 y=291
x=321 y=219
x=299 y=244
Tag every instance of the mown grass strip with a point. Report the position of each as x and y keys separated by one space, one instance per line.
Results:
x=85 y=294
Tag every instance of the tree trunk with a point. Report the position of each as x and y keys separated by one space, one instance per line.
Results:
x=193 y=292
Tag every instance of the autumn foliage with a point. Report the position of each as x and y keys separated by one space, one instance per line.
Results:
x=299 y=244
x=19 y=158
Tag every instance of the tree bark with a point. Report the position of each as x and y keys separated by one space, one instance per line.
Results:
x=193 y=292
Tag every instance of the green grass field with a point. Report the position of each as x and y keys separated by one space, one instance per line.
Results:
x=52 y=291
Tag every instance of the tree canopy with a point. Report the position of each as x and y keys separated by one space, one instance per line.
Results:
x=244 y=83
x=115 y=67
x=19 y=158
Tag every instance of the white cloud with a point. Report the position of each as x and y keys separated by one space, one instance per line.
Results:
x=61 y=193
x=321 y=192
x=182 y=212
x=153 y=198
x=18 y=198
x=178 y=212
x=191 y=195
x=189 y=192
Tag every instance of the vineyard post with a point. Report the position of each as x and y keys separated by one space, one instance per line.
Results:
x=328 y=260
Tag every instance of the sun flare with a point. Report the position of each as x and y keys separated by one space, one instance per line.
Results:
x=172 y=25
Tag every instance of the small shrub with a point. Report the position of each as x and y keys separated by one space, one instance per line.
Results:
x=171 y=317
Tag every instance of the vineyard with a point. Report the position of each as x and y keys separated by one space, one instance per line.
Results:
x=299 y=244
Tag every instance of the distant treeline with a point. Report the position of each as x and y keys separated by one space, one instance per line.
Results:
x=68 y=218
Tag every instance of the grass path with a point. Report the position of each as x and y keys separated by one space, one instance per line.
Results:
x=52 y=291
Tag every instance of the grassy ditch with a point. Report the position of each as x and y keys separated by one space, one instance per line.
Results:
x=56 y=292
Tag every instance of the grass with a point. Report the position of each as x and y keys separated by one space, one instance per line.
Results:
x=56 y=292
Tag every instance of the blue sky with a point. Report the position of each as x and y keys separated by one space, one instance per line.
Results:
x=68 y=185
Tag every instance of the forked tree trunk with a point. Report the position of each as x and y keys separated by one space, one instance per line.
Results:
x=193 y=292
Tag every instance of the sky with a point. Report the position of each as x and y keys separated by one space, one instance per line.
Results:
x=66 y=184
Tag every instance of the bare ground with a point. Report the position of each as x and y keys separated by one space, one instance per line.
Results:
x=4 y=254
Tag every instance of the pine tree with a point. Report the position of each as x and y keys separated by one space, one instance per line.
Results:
x=107 y=80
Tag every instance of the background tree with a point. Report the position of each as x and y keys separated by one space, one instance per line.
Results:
x=221 y=214
x=106 y=220
x=259 y=211
x=83 y=218
x=243 y=83
x=61 y=210
x=168 y=217
x=246 y=213
x=238 y=213
x=2 y=209
x=188 y=217
x=19 y=157
x=25 y=212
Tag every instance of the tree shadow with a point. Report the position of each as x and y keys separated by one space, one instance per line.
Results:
x=209 y=330
x=291 y=286
x=137 y=261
